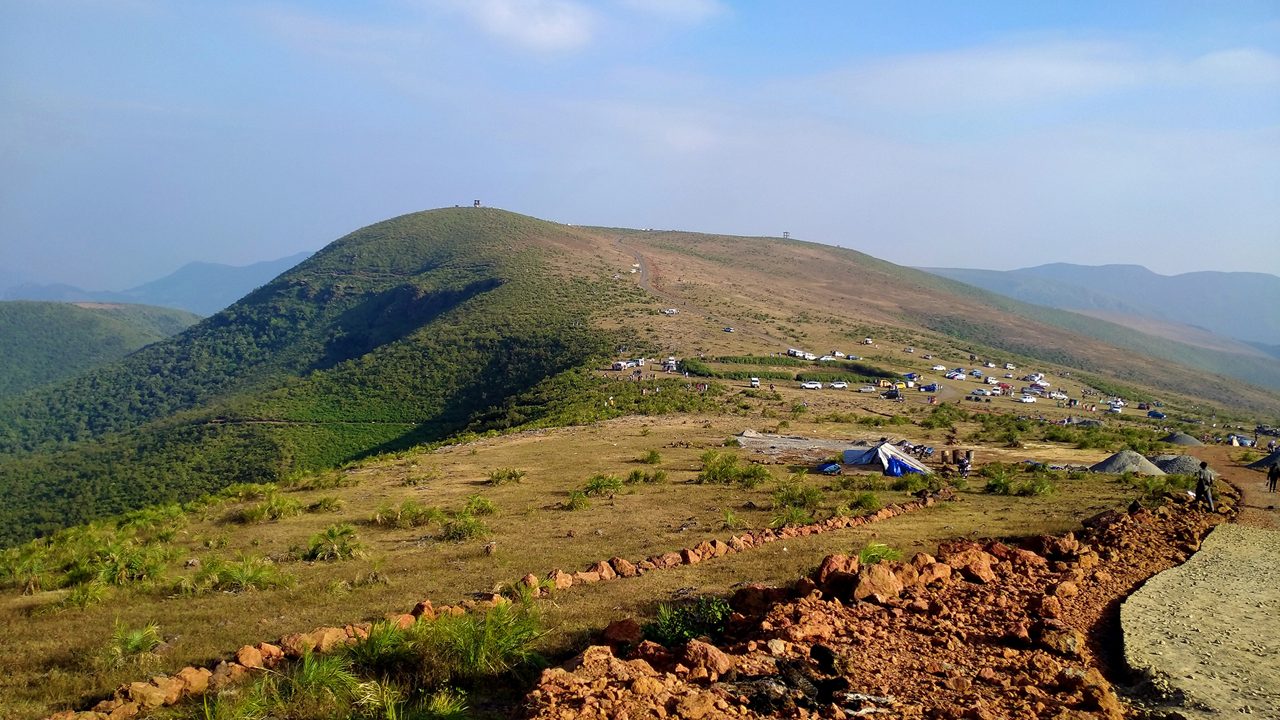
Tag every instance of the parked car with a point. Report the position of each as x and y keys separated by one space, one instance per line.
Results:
x=980 y=391
x=755 y=382
x=839 y=385
x=729 y=329
x=939 y=368
x=1026 y=399
x=867 y=389
x=1008 y=376
x=811 y=385
x=1156 y=414
x=930 y=388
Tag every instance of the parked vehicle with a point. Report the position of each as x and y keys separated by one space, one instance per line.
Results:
x=980 y=391
x=930 y=388
x=839 y=385
x=867 y=389
x=939 y=368
x=811 y=385
x=1026 y=399
x=755 y=382
x=1156 y=415
x=729 y=329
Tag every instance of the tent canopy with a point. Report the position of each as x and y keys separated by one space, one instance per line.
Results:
x=889 y=459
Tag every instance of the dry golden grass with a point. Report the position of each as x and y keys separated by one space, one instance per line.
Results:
x=46 y=661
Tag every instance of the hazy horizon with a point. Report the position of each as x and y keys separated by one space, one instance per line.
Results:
x=142 y=135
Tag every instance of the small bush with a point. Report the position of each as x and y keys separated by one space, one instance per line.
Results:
x=794 y=493
x=678 y=624
x=409 y=514
x=791 y=515
x=866 y=501
x=601 y=484
x=337 y=542
x=1035 y=485
x=463 y=526
x=82 y=596
x=325 y=504
x=732 y=442
x=732 y=521
x=388 y=651
x=502 y=476
x=474 y=646
x=877 y=552
x=858 y=481
x=479 y=505
x=132 y=646
x=653 y=457
x=722 y=468
x=274 y=507
x=577 y=501
x=911 y=482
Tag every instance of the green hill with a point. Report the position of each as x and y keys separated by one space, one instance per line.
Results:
x=396 y=334
x=464 y=319
x=45 y=341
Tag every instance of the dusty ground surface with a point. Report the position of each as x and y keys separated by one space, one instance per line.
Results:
x=1203 y=632
x=1199 y=631
x=986 y=632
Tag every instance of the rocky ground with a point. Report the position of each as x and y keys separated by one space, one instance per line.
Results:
x=982 y=631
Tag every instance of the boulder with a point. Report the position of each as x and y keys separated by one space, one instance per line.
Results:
x=1047 y=606
x=833 y=564
x=1057 y=637
x=623 y=567
x=172 y=688
x=298 y=644
x=147 y=696
x=1065 y=590
x=719 y=548
x=702 y=658
x=920 y=561
x=755 y=600
x=226 y=674
x=196 y=680
x=973 y=564
x=424 y=609
x=689 y=556
x=250 y=657
x=586 y=578
x=877 y=583
x=328 y=638
x=560 y=579
x=604 y=570
x=623 y=632
x=935 y=574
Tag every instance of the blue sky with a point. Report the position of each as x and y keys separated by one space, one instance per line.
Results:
x=137 y=135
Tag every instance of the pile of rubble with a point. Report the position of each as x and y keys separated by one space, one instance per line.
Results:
x=981 y=631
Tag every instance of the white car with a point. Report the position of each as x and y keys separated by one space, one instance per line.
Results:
x=1026 y=399
x=980 y=391
x=939 y=368
x=1008 y=376
x=868 y=389
x=811 y=385
x=838 y=385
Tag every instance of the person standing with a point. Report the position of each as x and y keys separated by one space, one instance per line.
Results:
x=1204 y=485
x=1273 y=476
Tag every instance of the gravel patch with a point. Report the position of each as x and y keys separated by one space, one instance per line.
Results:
x=1205 y=633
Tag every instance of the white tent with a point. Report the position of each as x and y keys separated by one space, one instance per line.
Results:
x=888 y=458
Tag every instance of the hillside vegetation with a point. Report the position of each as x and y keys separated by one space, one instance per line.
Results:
x=396 y=334
x=420 y=327
x=46 y=341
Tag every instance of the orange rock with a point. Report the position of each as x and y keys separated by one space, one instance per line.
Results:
x=424 y=609
x=226 y=674
x=250 y=657
x=877 y=583
x=935 y=574
x=328 y=638
x=195 y=679
x=146 y=695
x=689 y=556
x=530 y=581
x=604 y=570
x=711 y=660
x=298 y=644
x=586 y=578
x=623 y=632
x=623 y=567
x=172 y=688
x=560 y=579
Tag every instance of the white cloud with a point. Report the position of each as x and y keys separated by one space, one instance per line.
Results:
x=540 y=25
x=1242 y=66
x=684 y=11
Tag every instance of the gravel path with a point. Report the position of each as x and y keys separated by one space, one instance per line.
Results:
x=1208 y=631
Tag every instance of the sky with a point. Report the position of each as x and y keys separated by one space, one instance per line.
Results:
x=138 y=135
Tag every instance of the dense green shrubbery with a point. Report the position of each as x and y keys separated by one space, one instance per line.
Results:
x=725 y=468
x=877 y=552
x=678 y=624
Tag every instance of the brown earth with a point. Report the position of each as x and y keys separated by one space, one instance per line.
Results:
x=993 y=631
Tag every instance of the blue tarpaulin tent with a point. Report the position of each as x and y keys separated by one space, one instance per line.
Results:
x=889 y=459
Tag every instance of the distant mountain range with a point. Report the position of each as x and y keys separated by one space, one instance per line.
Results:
x=1191 y=307
x=200 y=287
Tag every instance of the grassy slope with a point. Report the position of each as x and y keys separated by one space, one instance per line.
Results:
x=45 y=342
x=780 y=285
x=420 y=326
x=396 y=334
